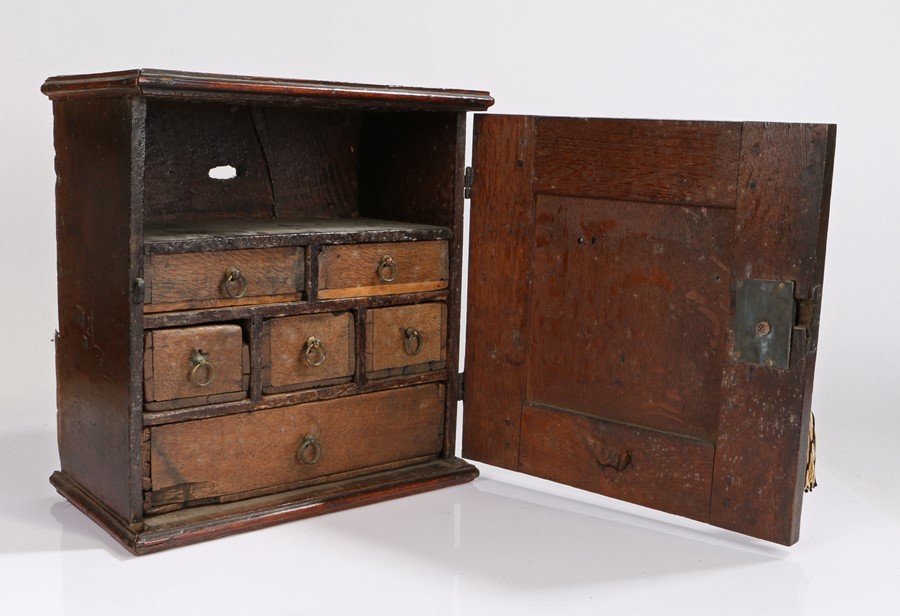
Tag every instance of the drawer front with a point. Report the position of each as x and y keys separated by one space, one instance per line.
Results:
x=403 y=336
x=196 y=364
x=237 y=456
x=358 y=270
x=307 y=351
x=223 y=278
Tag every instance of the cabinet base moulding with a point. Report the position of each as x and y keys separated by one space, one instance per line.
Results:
x=211 y=521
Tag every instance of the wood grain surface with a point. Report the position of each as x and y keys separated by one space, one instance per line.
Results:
x=638 y=160
x=629 y=308
x=782 y=220
x=168 y=363
x=352 y=270
x=605 y=290
x=197 y=280
x=284 y=345
x=230 y=455
x=648 y=467
x=386 y=335
x=100 y=339
x=500 y=262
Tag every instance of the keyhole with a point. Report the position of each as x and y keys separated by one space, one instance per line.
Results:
x=224 y=172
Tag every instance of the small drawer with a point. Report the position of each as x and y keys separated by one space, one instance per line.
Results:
x=359 y=270
x=194 y=365
x=238 y=456
x=406 y=339
x=223 y=278
x=311 y=350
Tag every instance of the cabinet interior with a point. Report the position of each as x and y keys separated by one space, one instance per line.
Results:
x=249 y=167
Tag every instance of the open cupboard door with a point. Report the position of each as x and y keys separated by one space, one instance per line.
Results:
x=643 y=310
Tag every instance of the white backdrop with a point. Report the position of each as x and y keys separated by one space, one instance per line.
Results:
x=806 y=61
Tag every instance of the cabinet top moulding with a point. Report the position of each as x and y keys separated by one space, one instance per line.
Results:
x=180 y=85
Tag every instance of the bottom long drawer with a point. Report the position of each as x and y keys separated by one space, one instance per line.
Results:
x=238 y=456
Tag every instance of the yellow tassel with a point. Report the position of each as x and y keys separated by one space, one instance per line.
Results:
x=811 y=457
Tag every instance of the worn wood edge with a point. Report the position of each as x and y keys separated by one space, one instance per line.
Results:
x=407 y=370
x=136 y=270
x=179 y=504
x=453 y=312
x=802 y=362
x=222 y=303
x=268 y=390
x=161 y=244
x=179 y=318
x=156 y=83
x=485 y=373
x=210 y=522
x=90 y=506
x=387 y=289
x=118 y=83
x=157 y=406
x=291 y=398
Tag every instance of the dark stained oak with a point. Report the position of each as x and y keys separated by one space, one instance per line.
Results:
x=285 y=162
x=100 y=341
x=194 y=236
x=638 y=160
x=187 y=526
x=164 y=84
x=660 y=470
x=176 y=176
x=602 y=290
x=605 y=258
x=782 y=218
x=629 y=308
x=500 y=276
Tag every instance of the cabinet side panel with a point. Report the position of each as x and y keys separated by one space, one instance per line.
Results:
x=502 y=229
x=93 y=139
x=782 y=218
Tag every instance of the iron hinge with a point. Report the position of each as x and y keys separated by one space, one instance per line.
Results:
x=137 y=291
x=467 y=182
x=461 y=387
x=808 y=315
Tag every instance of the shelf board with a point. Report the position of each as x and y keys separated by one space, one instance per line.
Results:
x=167 y=238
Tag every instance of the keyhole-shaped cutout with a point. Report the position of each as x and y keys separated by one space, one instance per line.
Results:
x=224 y=172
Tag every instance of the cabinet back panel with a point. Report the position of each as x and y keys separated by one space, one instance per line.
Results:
x=408 y=167
x=285 y=163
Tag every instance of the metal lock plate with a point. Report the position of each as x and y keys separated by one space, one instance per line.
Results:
x=763 y=321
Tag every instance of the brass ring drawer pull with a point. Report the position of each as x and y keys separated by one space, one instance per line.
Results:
x=412 y=343
x=235 y=284
x=388 y=269
x=314 y=352
x=202 y=365
x=310 y=450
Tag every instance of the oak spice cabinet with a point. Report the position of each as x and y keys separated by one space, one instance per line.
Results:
x=259 y=303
